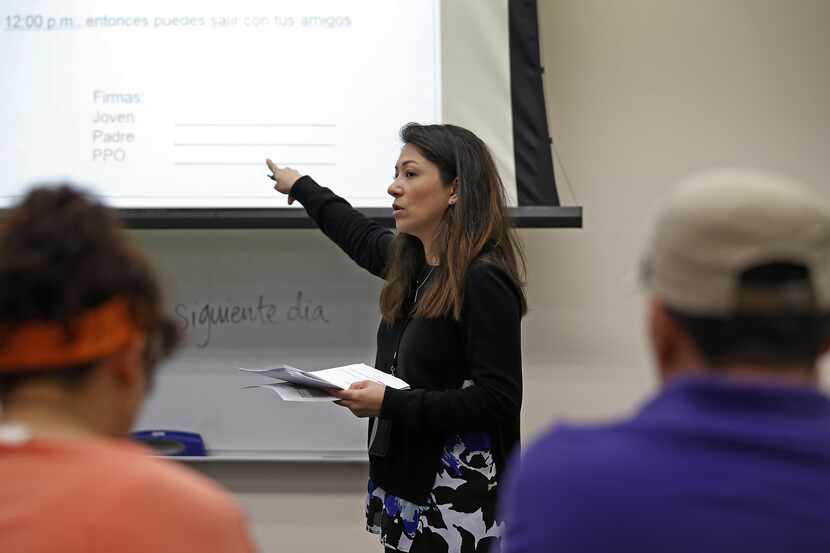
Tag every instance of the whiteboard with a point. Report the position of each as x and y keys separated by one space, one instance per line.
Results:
x=305 y=303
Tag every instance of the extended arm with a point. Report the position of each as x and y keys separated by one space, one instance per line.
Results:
x=364 y=240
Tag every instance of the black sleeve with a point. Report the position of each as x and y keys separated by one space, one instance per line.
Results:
x=491 y=323
x=364 y=240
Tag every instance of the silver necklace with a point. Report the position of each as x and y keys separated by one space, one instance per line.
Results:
x=421 y=284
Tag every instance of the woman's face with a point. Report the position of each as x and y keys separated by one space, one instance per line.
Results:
x=420 y=196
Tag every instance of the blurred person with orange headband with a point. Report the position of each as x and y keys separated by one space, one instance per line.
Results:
x=81 y=332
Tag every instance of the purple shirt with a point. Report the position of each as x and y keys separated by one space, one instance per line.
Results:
x=707 y=465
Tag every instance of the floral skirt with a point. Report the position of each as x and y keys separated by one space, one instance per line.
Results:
x=460 y=513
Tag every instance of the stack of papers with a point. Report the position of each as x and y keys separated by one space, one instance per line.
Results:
x=295 y=384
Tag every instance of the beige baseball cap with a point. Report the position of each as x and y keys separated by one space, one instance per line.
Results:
x=716 y=225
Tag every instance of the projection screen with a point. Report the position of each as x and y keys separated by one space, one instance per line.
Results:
x=176 y=104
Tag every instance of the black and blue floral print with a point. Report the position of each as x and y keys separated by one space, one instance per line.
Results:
x=460 y=513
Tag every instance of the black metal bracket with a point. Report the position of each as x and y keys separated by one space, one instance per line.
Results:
x=291 y=218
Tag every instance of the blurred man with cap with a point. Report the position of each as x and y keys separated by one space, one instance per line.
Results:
x=733 y=454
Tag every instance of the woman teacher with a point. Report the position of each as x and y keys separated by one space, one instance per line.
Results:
x=451 y=312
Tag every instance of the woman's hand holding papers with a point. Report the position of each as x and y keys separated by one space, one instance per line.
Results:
x=363 y=398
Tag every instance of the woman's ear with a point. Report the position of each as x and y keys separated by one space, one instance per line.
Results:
x=453 y=191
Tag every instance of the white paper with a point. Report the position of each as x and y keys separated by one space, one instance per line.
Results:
x=293 y=384
x=345 y=376
x=290 y=392
x=294 y=375
x=338 y=378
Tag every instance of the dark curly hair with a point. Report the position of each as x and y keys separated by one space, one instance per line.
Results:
x=62 y=253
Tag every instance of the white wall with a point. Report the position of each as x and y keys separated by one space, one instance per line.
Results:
x=640 y=92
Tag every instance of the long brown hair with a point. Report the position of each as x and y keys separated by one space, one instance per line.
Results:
x=476 y=226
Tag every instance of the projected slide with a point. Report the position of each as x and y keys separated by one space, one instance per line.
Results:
x=177 y=104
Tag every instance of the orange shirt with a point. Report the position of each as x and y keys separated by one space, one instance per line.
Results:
x=110 y=496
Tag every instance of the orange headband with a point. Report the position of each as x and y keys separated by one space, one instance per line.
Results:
x=99 y=332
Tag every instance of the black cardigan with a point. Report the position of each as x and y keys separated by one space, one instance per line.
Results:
x=436 y=357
